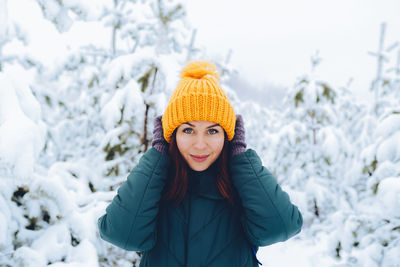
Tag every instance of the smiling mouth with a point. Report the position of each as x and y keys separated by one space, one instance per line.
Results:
x=199 y=158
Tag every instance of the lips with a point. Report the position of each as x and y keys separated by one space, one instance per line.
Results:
x=199 y=158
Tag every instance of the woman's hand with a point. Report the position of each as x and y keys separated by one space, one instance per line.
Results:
x=238 y=143
x=159 y=142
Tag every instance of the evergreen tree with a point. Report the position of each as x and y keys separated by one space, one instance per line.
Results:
x=368 y=234
x=312 y=149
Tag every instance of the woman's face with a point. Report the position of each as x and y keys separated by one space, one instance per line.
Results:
x=200 y=143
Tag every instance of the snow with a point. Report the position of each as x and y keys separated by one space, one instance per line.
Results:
x=82 y=255
x=17 y=130
x=75 y=118
x=309 y=253
x=388 y=126
x=387 y=169
x=53 y=243
x=45 y=189
x=389 y=196
x=391 y=257
x=77 y=36
x=128 y=99
x=389 y=149
x=88 y=10
x=5 y=216
x=25 y=256
x=330 y=143
x=29 y=21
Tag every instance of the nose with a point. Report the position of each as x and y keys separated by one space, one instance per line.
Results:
x=199 y=142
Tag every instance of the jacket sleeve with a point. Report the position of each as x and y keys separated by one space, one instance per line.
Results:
x=268 y=216
x=130 y=221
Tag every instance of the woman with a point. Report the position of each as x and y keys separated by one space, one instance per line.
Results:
x=198 y=197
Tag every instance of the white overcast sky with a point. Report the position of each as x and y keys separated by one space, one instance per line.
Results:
x=272 y=41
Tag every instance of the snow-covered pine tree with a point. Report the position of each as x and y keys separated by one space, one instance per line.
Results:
x=372 y=232
x=311 y=147
x=22 y=134
x=369 y=233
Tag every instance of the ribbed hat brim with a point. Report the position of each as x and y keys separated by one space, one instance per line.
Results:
x=195 y=107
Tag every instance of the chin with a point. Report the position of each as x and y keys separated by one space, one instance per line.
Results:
x=199 y=167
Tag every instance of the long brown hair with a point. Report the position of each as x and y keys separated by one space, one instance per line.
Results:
x=178 y=177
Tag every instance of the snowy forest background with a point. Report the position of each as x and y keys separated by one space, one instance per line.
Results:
x=80 y=84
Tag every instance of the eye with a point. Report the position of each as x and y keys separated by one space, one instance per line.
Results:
x=187 y=130
x=212 y=131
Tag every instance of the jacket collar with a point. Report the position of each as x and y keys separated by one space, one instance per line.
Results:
x=203 y=183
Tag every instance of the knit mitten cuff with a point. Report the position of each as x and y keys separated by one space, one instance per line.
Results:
x=159 y=143
x=238 y=146
x=238 y=143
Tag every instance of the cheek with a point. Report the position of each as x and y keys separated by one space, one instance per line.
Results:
x=218 y=144
x=182 y=143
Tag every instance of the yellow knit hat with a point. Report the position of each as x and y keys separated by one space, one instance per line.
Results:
x=199 y=96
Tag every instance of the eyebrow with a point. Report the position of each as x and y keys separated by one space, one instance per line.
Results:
x=207 y=127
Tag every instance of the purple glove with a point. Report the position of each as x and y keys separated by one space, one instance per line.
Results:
x=159 y=142
x=238 y=144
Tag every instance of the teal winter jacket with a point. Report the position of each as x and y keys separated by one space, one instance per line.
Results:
x=203 y=230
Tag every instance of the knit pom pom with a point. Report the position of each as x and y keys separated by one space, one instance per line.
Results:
x=199 y=69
